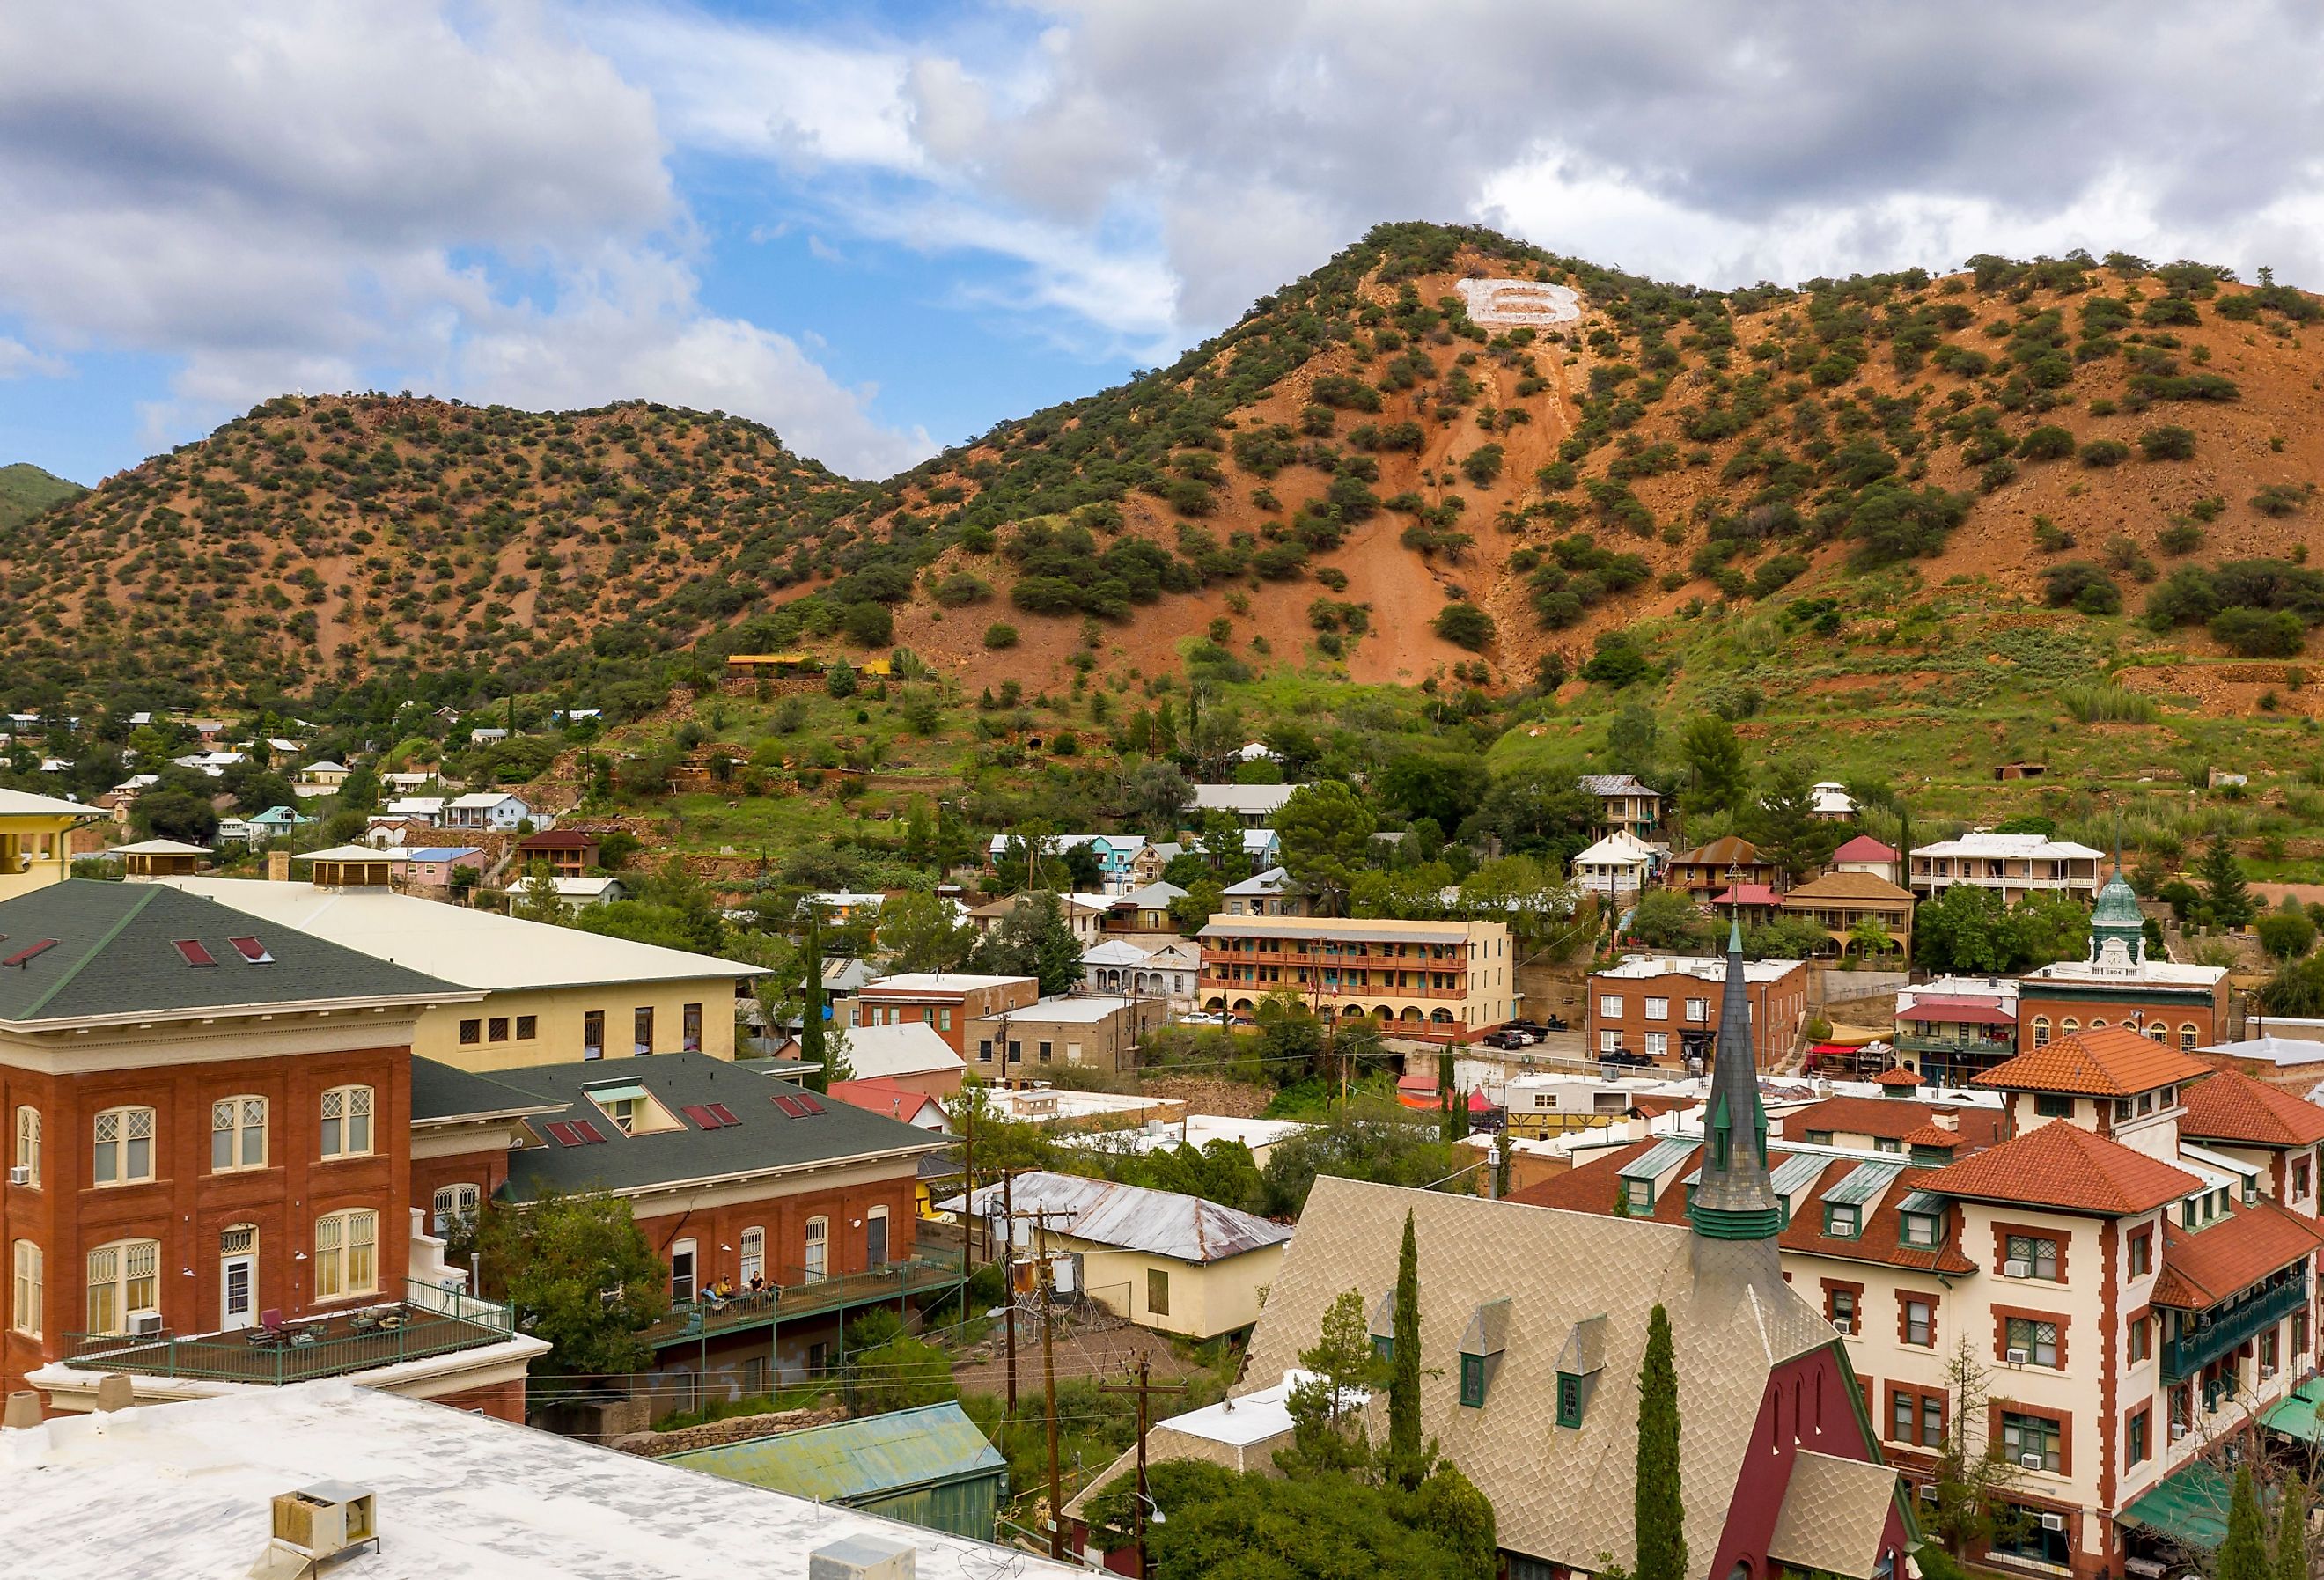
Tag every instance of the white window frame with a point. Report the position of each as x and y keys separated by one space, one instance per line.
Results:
x=344 y=1110
x=1610 y=1005
x=815 y=1254
x=26 y=1288
x=1658 y=1009
x=1609 y=1041
x=887 y=1232
x=1657 y=1044
x=695 y=1281
x=1698 y=1012
x=28 y=1142
x=117 y=1130
x=454 y=1204
x=124 y=1281
x=347 y=1254
x=244 y=1116
x=751 y=1260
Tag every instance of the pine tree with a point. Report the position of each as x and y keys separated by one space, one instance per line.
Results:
x=811 y=1038
x=1404 y=1453
x=2224 y=892
x=2243 y=1555
x=2291 y=1532
x=1659 y=1514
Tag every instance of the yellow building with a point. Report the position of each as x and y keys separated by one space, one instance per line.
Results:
x=1442 y=980
x=553 y=994
x=1174 y=1264
x=34 y=851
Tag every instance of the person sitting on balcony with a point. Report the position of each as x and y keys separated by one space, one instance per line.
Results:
x=757 y=1284
x=713 y=1297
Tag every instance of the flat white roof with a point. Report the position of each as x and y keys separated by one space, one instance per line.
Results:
x=937 y=982
x=1255 y=799
x=1086 y=1009
x=1708 y=967
x=167 y=1491
x=2009 y=845
x=2147 y=973
x=475 y=948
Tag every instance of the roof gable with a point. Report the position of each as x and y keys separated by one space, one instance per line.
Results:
x=2062 y=1166
x=2231 y=1106
x=2110 y=1061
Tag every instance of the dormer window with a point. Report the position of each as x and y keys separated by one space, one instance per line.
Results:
x=1639 y=1194
x=1842 y=1220
x=1921 y=1231
x=2147 y=1103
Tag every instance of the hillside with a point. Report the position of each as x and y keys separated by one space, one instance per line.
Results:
x=26 y=490
x=1317 y=486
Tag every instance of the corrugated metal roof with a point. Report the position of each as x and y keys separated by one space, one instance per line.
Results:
x=850 y=1460
x=1796 y=1172
x=1659 y=1158
x=1921 y=1201
x=1185 y=1228
x=1869 y=1180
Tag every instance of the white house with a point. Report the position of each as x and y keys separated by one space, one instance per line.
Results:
x=1619 y=867
x=1250 y=803
x=498 y=809
x=428 y=809
x=2013 y=865
x=1164 y=970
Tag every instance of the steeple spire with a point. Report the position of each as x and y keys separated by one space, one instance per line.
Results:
x=1734 y=1199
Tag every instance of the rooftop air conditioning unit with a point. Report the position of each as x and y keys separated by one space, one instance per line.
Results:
x=2029 y=1462
x=1843 y=1324
x=2019 y=1357
x=864 y=1557
x=144 y=1324
x=20 y=1174
x=2017 y=1269
x=324 y=1520
x=2053 y=1522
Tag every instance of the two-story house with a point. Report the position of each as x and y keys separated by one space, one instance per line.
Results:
x=1623 y=803
x=1666 y=1006
x=2013 y=865
x=1708 y=869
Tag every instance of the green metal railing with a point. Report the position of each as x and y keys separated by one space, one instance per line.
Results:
x=427 y=1321
x=2197 y=1344
x=801 y=1296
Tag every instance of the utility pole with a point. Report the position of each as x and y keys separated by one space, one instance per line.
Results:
x=1049 y=1384
x=1009 y=1282
x=1144 y=1386
x=968 y=1195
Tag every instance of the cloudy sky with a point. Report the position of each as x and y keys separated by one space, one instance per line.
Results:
x=883 y=227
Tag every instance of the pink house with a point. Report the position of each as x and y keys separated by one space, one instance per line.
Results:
x=432 y=865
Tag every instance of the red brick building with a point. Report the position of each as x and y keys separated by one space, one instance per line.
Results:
x=945 y=1000
x=209 y=1131
x=1667 y=1007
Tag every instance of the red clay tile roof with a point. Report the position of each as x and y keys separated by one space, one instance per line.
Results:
x=2205 y=1266
x=1950 y=1011
x=2109 y=1061
x=2062 y=1166
x=1892 y=1119
x=881 y=1096
x=558 y=839
x=1864 y=848
x=2231 y=1106
x=1747 y=894
x=1591 y=1186
x=1898 y=1077
x=1934 y=1135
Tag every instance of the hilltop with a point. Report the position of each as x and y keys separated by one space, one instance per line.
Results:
x=26 y=490
x=1379 y=474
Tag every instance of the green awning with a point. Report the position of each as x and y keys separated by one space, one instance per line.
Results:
x=2296 y=1417
x=2189 y=1508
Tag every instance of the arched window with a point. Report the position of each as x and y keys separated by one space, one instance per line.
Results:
x=455 y=1204
x=237 y=1134
x=753 y=1254
x=817 y=1259
x=2187 y=1036
x=2159 y=1032
x=2097 y=1022
x=2068 y=1026
x=124 y=1150
x=124 y=1282
x=347 y=1121
x=28 y=1143
x=2040 y=1029
x=24 y=1306
x=347 y=1253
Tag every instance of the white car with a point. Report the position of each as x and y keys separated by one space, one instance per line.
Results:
x=1206 y=1018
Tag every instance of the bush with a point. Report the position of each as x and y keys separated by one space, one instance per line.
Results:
x=961 y=589
x=2180 y=538
x=1465 y=625
x=999 y=635
x=2104 y=452
x=2048 y=442
x=2282 y=499
x=1616 y=662
x=1482 y=465
x=2168 y=442
x=2083 y=585
x=2172 y=309
x=2286 y=934
x=2258 y=633
x=870 y=625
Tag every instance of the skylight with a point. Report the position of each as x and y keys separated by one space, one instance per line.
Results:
x=195 y=951
x=252 y=950
x=23 y=956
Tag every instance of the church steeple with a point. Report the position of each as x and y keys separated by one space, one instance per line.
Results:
x=1734 y=1198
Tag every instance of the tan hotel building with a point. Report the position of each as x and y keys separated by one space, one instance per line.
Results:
x=1442 y=980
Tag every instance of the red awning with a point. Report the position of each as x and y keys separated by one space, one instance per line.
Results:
x=1750 y=894
x=1958 y=1012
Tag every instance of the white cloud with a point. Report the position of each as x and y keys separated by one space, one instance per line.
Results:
x=278 y=195
x=18 y=360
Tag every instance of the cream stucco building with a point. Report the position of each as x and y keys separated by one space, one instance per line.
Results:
x=35 y=850
x=1440 y=980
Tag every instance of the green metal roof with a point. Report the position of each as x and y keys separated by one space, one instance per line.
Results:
x=2190 y=1507
x=1796 y=1171
x=1921 y=1201
x=853 y=1460
x=1865 y=1182
x=1659 y=1157
x=83 y=950
x=2296 y=1417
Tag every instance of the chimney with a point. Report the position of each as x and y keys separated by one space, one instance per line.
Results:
x=1949 y=1119
x=278 y=866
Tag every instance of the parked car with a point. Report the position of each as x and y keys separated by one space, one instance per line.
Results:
x=1508 y=1037
x=1623 y=1057
x=1533 y=1029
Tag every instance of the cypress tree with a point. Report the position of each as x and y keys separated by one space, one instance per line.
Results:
x=2291 y=1532
x=811 y=1042
x=1659 y=1514
x=2243 y=1555
x=1404 y=1456
x=2224 y=890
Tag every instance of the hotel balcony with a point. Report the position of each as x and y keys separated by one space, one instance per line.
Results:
x=800 y=1296
x=2203 y=1339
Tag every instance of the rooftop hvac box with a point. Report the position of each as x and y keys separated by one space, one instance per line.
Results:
x=864 y=1557
x=324 y=1520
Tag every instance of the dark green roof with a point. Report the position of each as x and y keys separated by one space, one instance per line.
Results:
x=762 y=1139
x=112 y=950
x=850 y=1461
x=446 y=1092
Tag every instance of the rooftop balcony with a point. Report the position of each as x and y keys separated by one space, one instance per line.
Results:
x=2202 y=1339
x=799 y=1296
x=427 y=1321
